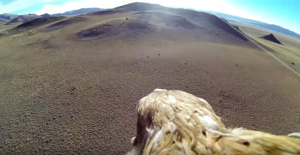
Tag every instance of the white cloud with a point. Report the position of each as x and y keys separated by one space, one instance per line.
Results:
x=72 y=5
x=17 y=5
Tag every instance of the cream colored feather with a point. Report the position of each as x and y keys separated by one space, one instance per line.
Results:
x=173 y=122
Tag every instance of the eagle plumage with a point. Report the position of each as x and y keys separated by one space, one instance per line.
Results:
x=174 y=122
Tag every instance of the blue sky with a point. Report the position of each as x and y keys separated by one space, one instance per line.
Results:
x=284 y=13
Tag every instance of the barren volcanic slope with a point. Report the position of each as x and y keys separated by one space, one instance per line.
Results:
x=71 y=86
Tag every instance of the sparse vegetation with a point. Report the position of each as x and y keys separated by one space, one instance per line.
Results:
x=285 y=53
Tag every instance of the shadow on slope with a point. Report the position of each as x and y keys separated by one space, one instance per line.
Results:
x=116 y=28
x=141 y=22
x=38 y=22
x=64 y=23
x=271 y=38
x=29 y=25
x=209 y=21
x=138 y=6
x=167 y=19
x=107 y=12
x=24 y=18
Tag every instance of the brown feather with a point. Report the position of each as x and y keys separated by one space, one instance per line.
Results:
x=173 y=122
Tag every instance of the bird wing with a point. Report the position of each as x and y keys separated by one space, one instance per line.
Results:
x=173 y=122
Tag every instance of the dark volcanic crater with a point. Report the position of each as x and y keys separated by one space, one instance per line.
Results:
x=117 y=28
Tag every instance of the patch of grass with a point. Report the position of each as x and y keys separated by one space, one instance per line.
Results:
x=289 y=52
x=257 y=32
x=290 y=55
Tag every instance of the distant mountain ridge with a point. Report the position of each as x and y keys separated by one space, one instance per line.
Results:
x=4 y=18
x=24 y=18
x=276 y=28
x=13 y=18
x=78 y=12
x=8 y=16
x=45 y=15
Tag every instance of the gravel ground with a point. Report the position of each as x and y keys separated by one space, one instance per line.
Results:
x=84 y=101
x=80 y=97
